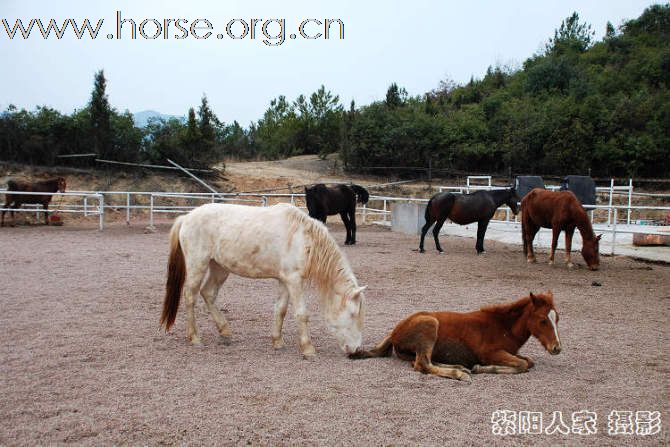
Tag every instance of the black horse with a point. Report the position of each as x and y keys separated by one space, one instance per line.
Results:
x=323 y=201
x=16 y=200
x=464 y=209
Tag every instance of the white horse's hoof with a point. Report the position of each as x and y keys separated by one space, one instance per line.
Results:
x=195 y=341
x=570 y=265
x=308 y=352
x=278 y=343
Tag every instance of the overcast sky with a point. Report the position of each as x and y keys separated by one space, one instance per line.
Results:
x=414 y=43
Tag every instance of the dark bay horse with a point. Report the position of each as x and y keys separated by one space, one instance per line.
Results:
x=323 y=201
x=454 y=344
x=56 y=184
x=465 y=209
x=560 y=211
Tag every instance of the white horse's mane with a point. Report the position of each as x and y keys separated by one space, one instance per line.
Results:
x=325 y=266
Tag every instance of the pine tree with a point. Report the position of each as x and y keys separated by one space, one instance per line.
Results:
x=100 y=118
x=206 y=117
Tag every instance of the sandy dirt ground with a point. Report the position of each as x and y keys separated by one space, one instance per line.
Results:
x=82 y=359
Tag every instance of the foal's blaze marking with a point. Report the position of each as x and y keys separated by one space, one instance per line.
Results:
x=554 y=324
x=454 y=345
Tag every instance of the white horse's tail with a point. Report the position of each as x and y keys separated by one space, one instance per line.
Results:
x=176 y=275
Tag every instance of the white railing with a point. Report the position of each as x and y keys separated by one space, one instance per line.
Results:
x=85 y=208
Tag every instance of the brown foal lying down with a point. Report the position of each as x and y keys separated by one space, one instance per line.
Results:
x=454 y=344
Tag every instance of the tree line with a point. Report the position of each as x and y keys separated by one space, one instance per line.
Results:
x=579 y=106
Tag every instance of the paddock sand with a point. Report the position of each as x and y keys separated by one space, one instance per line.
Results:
x=83 y=360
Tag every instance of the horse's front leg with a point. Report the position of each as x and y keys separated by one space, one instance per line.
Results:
x=568 y=246
x=501 y=362
x=281 y=306
x=352 y=223
x=528 y=360
x=295 y=289
x=481 y=232
x=46 y=214
x=347 y=225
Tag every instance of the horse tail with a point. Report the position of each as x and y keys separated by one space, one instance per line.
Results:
x=383 y=349
x=362 y=193
x=176 y=276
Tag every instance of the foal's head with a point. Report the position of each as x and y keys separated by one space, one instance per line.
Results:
x=513 y=201
x=543 y=322
x=346 y=323
x=61 y=184
x=591 y=252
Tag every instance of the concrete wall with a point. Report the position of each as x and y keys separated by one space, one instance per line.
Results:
x=408 y=218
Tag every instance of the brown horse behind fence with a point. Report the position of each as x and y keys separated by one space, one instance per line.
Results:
x=16 y=200
x=560 y=211
x=453 y=344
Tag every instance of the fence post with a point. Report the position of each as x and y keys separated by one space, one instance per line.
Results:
x=630 y=196
x=85 y=206
x=385 y=212
x=127 y=208
x=365 y=213
x=151 y=212
x=609 y=210
x=101 y=214
x=614 y=230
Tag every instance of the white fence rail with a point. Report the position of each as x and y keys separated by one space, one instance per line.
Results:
x=378 y=209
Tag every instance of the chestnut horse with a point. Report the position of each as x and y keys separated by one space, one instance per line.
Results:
x=454 y=344
x=560 y=211
x=465 y=209
x=323 y=201
x=16 y=200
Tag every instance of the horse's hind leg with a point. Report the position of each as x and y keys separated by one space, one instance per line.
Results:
x=420 y=337
x=46 y=213
x=281 y=306
x=436 y=233
x=555 y=232
x=568 y=246
x=195 y=273
x=424 y=230
x=529 y=232
x=352 y=223
x=217 y=276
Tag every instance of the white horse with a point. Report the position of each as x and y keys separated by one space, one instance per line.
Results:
x=278 y=242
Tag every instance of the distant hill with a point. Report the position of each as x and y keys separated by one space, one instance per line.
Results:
x=142 y=118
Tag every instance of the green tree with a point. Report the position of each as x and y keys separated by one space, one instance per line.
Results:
x=100 y=114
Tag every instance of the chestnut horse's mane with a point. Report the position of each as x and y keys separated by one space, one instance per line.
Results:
x=515 y=306
x=507 y=308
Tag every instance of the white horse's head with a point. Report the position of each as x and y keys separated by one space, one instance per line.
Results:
x=346 y=322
